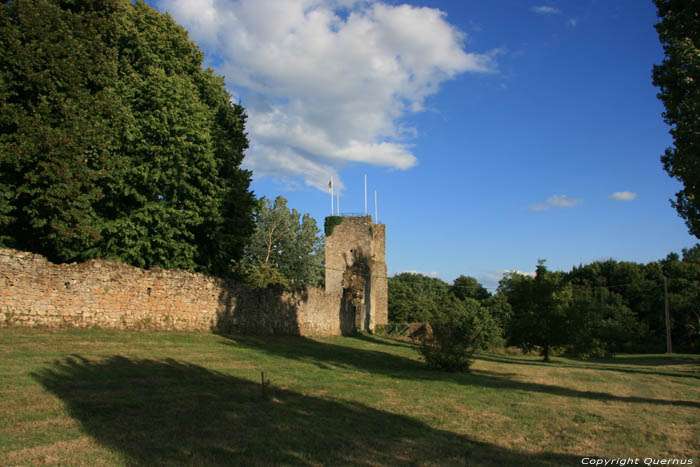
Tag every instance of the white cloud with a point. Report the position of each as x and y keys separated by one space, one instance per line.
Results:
x=522 y=273
x=572 y=22
x=556 y=201
x=563 y=201
x=491 y=279
x=540 y=207
x=546 y=10
x=327 y=82
x=623 y=196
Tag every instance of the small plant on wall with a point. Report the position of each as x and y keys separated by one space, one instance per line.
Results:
x=331 y=222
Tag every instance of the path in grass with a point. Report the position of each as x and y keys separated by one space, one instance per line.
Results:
x=75 y=397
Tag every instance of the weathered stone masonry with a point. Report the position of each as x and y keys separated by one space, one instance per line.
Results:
x=112 y=295
x=356 y=269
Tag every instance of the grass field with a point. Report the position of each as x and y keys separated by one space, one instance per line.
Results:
x=78 y=397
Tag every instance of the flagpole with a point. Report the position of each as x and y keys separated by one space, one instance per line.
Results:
x=330 y=185
x=337 y=210
x=365 y=194
x=376 y=211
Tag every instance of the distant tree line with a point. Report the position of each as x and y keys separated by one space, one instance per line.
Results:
x=595 y=310
x=464 y=317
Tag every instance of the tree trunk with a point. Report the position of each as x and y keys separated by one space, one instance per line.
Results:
x=545 y=353
x=269 y=245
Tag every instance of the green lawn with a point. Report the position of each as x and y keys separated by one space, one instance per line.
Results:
x=77 y=397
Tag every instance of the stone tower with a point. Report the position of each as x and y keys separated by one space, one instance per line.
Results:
x=356 y=270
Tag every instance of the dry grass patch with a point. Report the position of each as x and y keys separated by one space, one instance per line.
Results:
x=58 y=452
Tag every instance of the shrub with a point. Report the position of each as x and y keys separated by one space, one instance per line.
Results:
x=459 y=330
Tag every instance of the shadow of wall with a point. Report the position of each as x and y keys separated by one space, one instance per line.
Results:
x=397 y=367
x=176 y=413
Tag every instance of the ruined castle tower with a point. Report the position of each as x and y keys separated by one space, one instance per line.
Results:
x=356 y=269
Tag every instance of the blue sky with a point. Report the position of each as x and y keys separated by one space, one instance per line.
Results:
x=495 y=133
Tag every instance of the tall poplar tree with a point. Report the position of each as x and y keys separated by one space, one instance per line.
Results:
x=114 y=142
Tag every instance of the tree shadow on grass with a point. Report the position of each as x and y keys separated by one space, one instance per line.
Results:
x=327 y=355
x=174 y=413
x=598 y=365
x=382 y=341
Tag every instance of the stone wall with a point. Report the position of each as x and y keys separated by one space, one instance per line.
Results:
x=380 y=286
x=112 y=295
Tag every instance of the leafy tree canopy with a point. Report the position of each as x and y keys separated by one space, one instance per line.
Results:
x=286 y=242
x=600 y=325
x=613 y=306
x=114 y=142
x=539 y=306
x=415 y=298
x=460 y=328
x=678 y=79
x=468 y=287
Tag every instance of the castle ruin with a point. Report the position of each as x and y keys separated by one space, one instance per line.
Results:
x=356 y=270
x=111 y=295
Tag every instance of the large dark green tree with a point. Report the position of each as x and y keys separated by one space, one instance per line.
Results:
x=600 y=325
x=468 y=287
x=57 y=102
x=678 y=79
x=114 y=142
x=415 y=298
x=540 y=308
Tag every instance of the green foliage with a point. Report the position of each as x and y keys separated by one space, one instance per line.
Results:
x=606 y=307
x=330 y=223
x=468 y=287
x=692 y=255
x=55 y=131
x=393 y=329
x=500 y=309
x=285 y=247
x=415 y=298
x=600 y=324
x=640 y=289
x=540 y=307
x=262 y=275
x=461 y=328
x=678 y=80
x=684 y=300
x=113 y=141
